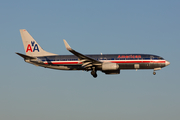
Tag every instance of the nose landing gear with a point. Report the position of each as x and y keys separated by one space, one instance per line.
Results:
x=154 y=73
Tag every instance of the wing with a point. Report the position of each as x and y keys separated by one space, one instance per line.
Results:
x=87 y=62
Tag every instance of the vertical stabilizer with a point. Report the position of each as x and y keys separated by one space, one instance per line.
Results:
x=31 y=47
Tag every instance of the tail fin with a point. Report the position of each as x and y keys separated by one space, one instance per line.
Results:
x=31 y=47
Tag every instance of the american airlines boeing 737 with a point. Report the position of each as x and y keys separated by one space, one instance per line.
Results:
x=107 y=63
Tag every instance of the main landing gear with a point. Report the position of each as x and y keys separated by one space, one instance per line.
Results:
x=93 y=72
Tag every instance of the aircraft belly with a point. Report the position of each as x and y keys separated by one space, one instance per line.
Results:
x=67 y=67
x=121 y=66
x=59 y=67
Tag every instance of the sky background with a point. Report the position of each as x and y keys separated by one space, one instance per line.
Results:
x=28 y=92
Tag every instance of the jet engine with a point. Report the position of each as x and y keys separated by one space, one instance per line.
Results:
x=110 y=68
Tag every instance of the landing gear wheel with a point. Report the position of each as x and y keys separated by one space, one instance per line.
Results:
x=94 y=74
x=154 y=73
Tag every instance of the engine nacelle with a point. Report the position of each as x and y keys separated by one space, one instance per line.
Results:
x=112 y=72
x=110 y=66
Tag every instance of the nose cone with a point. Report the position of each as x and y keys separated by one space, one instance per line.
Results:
x=167 y=63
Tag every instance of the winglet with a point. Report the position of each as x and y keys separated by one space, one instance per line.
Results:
x=67 y=45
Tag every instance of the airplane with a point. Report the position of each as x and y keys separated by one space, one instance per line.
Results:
x=107 y=63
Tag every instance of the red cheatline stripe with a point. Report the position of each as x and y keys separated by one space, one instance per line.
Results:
x=71 y=62
x=61 y=63
x=138 y=61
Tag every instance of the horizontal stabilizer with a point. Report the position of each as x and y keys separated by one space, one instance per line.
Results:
x=25 y=56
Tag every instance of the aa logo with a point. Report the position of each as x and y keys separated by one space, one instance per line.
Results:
x=33 y=45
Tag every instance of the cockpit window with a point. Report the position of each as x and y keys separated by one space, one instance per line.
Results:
x=160 y=58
